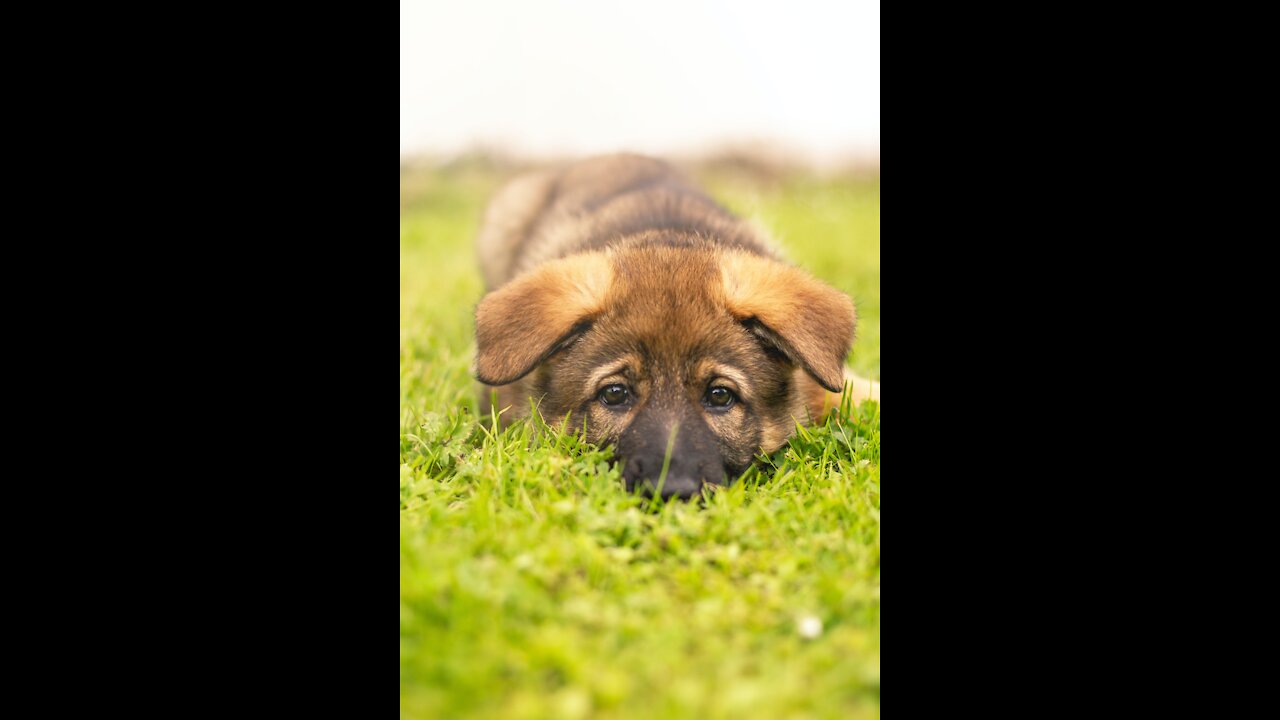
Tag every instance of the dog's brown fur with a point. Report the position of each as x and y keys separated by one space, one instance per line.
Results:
x=617 y=270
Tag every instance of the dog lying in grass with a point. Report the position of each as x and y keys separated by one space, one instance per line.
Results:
x=624 y=298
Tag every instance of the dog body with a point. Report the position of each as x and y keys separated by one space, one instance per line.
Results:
x=622 y=297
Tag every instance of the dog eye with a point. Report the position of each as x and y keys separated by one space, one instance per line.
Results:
x=614 y=395
x=719 y=397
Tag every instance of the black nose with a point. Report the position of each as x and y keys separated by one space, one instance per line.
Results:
x=668 y=450
x=683 y=488
x=644 y=473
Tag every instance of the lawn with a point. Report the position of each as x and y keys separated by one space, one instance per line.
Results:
x=533 y=586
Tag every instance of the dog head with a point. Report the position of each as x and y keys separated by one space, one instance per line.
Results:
x=689 y=360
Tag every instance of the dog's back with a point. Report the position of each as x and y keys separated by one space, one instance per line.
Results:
x=591 y=204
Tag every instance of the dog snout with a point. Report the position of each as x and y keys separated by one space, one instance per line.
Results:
x=644 y=473
x=670 y=454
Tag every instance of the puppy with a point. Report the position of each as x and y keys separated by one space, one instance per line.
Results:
x=624 y=298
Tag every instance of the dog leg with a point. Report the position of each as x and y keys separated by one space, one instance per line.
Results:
x=817 y=401
x=860 y=388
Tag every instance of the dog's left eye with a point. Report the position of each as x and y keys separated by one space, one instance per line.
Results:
x=719 y=397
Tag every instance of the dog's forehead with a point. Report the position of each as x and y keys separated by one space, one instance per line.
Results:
x=666 y=305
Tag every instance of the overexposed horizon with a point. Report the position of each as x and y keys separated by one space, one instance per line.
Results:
x=570 y=77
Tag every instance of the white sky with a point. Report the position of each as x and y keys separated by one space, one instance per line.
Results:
x=553 y=77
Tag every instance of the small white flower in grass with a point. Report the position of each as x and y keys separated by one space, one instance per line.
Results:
x=809 y=627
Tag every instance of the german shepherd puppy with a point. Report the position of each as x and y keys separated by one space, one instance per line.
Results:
x=623 y=297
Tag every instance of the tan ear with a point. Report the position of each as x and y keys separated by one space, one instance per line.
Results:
x=523 y=322
x=807 y=320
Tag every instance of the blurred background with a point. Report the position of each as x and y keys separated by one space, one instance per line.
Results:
x=556 y=78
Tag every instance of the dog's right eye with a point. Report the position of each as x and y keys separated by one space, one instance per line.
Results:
x=614 y=395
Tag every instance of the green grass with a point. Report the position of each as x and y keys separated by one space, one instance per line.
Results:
x=533 y=586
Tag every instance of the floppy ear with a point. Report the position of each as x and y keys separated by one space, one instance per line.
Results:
x=523 y=322
x=810 y=322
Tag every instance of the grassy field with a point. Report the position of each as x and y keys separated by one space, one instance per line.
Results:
x=533 y=586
